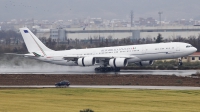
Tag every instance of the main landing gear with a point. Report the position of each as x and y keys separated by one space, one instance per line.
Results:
x=107 y=69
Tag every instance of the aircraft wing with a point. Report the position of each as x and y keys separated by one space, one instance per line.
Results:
x=114 y=56
x=74 y=57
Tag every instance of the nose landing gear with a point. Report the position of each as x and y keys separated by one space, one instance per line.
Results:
x=180 y=63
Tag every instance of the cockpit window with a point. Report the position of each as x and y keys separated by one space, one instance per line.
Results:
x=189 y=46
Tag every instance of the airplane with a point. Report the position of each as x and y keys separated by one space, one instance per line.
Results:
x=106 y=58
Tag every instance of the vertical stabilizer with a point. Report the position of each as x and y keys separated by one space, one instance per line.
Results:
x=33 y=44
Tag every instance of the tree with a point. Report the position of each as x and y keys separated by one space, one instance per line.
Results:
x=159 y=38
x=90 y=40
x=86 y=110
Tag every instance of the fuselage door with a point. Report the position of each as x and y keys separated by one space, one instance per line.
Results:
x=177 y=50
x=144 y=50
x=177 y=47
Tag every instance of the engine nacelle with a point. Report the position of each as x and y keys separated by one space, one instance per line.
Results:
x=145 y=63
x=118 y=62
x=86 y=61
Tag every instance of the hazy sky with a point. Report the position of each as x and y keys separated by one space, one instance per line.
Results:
x=68 y=9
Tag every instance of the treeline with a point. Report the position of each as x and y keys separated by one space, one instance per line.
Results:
x=11 y=41
x=7 y=37
x=9 y=34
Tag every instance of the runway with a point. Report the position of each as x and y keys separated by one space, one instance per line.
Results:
x=109 y=87
x=12 y=65
x=122 y=72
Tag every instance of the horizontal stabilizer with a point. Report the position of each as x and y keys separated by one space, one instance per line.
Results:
x=24 y=55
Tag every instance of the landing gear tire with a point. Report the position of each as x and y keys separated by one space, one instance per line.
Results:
x=180 y=63
x=107 y=69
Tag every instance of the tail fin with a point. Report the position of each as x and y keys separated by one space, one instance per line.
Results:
x=33 y=44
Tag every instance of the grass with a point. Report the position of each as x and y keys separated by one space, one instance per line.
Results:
x=99 y=100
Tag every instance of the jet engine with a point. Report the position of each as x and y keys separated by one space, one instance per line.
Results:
x=86 y=61
x=145 y=63
x=118 y=62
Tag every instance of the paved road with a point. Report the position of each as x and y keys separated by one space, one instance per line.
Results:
x=109 y=87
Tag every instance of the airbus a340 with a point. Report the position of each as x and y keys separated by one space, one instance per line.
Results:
x=107 y=58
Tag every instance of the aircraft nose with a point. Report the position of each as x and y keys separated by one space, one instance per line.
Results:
x=195 y=49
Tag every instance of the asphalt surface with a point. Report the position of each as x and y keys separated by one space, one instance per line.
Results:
x=122 y=72
x=109 y=87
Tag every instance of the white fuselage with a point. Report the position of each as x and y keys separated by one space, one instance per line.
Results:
x=138 y=52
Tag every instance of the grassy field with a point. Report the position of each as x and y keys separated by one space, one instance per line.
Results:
x=99 y=100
